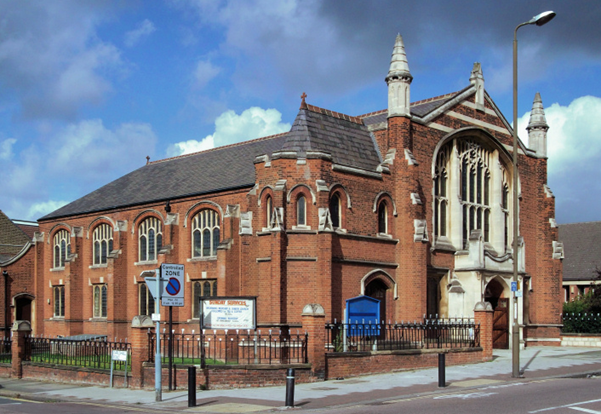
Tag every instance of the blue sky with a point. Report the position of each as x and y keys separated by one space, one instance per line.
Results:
x=88 y=89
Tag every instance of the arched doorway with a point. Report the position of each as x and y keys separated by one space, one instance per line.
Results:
x=377 y=289
x=494 y=294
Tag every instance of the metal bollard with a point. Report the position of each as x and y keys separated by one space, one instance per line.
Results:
x=191 y=386
x=441 y=372
x=290 y=388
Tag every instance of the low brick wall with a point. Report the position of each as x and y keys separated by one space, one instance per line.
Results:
x=345 y=365
x=585 y=340
x=72 y=375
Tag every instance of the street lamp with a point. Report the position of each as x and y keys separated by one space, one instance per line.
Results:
x=538 y=20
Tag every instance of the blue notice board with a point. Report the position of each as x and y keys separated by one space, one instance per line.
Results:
x=363 y=316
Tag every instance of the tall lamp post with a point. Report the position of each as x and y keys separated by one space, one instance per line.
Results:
x=538 y=20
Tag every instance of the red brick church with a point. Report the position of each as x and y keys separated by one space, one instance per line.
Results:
x=409 y=205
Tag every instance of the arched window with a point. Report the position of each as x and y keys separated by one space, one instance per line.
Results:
x=441 y=200
x=206 y=288
x=475 y=190
x=335 y=210
x=103 y=243
x=268 y=211
x=301 y=211
x=205 y=233
x=150 y=235
x=62 y=248
x=146 y=300
x=59 y=301
x=383 y=217
x=100 y=299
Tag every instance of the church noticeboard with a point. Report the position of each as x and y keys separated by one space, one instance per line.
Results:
x=228 y=313
x=363 y=316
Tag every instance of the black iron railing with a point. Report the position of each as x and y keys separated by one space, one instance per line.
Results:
x=218 y=347
x=429 y=334
x=72 y=352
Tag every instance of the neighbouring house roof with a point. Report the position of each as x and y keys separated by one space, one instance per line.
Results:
x=582 y=250
x=12 y=238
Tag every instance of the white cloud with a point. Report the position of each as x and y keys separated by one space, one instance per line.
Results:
x=6 y=148
x=574 y=132
x=144 y=29
x=231 y=128
x=77 y=159
x=204 y=72
x=51 y=57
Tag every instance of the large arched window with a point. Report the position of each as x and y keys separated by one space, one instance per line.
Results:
x=471 y=191
x=62 y=248
x=301 y=211
x=205 y=233
x=103 y=243
x=150 y=235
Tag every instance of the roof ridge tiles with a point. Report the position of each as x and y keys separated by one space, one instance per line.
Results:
x=219 y=148
x=435 y=98
x=316 y=109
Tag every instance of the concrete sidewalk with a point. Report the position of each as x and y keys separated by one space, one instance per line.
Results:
x=538 y=362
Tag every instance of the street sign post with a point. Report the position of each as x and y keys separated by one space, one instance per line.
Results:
x=155 y=285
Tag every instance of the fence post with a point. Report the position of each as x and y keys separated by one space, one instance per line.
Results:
x=313 y=319
x=483 y=316
x=20 y=329
x=139 y=348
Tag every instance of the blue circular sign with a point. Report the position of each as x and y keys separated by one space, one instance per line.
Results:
x=173 y=286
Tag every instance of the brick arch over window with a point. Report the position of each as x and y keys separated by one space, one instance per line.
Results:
x=471 y=179
x=196 y=207
x=384 y=194
x=94 y=223
x=141 y=216
x=56 y=227
x=265 y=202
x=380 y=274
x=293 y=190
x=339 y=201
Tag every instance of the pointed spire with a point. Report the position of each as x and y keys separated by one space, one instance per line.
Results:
x=537 y=128
x=399 y=67
x=477 y=79
x=537 y=116
x=399 y=80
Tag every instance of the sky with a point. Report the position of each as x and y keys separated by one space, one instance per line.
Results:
x=89 y=89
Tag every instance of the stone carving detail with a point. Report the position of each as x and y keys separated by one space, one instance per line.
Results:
x=246 y=223
x=277 y=219
x=557 y=250
x=172 y=219
x=415 y=199
x=232 y=210
x=121 y=225
x=553 y=223
x=410 y=158
x=280 y=185
x=325 y=220
x=421 y=230
x=321 y=186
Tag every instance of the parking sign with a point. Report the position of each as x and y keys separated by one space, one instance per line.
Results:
x=173 y=285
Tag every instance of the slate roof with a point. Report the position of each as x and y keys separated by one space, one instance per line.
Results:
x=219 y=169
x=345 y=138
x=582 y=250
x=12 y=238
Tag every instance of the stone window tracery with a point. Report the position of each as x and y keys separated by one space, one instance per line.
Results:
x=150 y=235
x=103 y=243
x=100 y=301
x=62 y=248
x=146 y=300
x=205 y=233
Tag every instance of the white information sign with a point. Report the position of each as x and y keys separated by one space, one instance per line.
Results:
x=119 y=355
x=173 y=285
x=228 y=313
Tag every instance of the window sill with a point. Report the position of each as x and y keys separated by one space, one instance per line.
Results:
x=444 y=244
x=57 y=318
x=301 y=227
x=384 y=235
x=99 y=266
x=202 y=259
x=146 y=263
x=98 y=319
x=57 y=269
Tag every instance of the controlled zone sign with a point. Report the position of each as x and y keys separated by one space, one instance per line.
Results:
x=228 y=313
x=173 y=284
